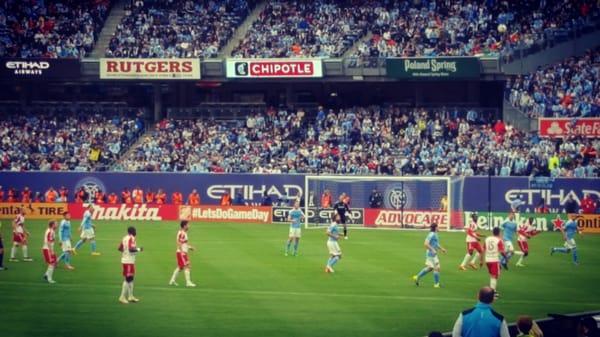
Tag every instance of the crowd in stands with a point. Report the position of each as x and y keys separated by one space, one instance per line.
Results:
x=50 y=28
x=320 y=28
x=166 y=29
x=463 y=28
x=566 y=89
x=64 y=140
x=361 y=140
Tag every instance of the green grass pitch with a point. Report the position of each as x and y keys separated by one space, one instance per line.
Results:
x=247 y=287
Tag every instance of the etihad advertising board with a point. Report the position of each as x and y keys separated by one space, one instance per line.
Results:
x=274 y=68
x=38 y=68
x=149 y=69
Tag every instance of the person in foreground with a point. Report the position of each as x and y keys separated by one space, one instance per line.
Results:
x=129 y=250
x=432 y=261
x=528 y=328
x=481 y=320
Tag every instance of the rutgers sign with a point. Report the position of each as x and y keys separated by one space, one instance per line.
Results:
x=151 y=69
x=563 y=127
x=274 y=68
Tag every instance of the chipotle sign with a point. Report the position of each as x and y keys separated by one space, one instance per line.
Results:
x=274 y=68
x=151 y=69
x=564 y=127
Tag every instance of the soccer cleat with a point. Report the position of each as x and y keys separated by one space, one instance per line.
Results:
x=13 y=260
x=416 y=279
x=173 y=283
x=123 y=300
x=51 y=281
x=520 y=265
x=28 y=259
x=74 y=252
x=461 y=267
x=96 y=254
x=45 y=277
x=504 y=265
x=132 y=299
x=473 y=265
x=68 y=267
x=496 y=295
x=437 y=285
x=190 y=285
x=3 y=268
x=328 y=269
x=286 y=254
x=345 y=238
x=551 y=251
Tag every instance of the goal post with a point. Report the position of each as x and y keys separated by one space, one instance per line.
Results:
x=405 y=201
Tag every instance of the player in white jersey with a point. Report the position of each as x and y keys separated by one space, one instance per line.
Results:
x=525 y=232
x=48 y=251
x=494 y=248
x=129 y=250
x=183 y=261
x=20 y=236
x=474 y=249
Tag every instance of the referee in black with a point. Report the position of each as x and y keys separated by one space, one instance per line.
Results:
x=342 y=209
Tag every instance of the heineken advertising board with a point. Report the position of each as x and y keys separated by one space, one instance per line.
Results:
x=423 y=68
x=543 y=222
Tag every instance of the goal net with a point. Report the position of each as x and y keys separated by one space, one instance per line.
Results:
x=375 y=201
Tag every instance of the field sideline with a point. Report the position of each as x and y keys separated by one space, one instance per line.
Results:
x=246 y=287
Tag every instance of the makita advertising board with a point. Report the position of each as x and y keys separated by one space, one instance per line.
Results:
x=38 y=68
x=210 y=186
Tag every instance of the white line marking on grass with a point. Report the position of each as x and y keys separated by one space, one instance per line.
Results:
x=87 y=287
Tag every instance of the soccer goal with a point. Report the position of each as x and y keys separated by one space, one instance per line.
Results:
x=404 y=202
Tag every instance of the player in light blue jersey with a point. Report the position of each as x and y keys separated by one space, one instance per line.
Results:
x=64 y=234
x=87 y=230
x=333 y=235
x=432 y=261
x=509 y=228
x=296 y=217
x=568 y=232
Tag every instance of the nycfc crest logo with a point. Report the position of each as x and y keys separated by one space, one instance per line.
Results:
x=91 y=185
x=397 y=197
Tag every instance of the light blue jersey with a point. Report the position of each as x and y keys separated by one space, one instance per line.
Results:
x=433 y=240
x=333 y=229
x=64 y=231
x=296 y=215
x=570 y=229
x=86 y=223
x=510 y=228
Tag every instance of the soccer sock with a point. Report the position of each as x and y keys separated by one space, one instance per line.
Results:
x=329 y=261
x=49 y=272
x=575 y=257
x=296 y=247
x=25 y=252
x=345 y=231
x=334 y=260
x=287 y=246
x=13 y=252
x=464 y=262
x=124 y=289
x=61 y=257
x=436 y=277
x=521 y=259
x=508 y=256
x=131 y=289
x=67 y=258
x=423 y=272
x=475 y=257
x=93 y=245
x=78 y=244
x=493 y=283
x=2 y=259
x=518 y=252
x=188 y=279
x=175 y=274
x=561 y=250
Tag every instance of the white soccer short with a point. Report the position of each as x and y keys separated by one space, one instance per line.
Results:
x=432 y=261
x=570 y=244
x=334 y=248
x=66 y=245
x=508 y=246
x=88 y=233
x=295 y=232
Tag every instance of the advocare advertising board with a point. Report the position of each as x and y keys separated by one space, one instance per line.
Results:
x=149 y=69
x=426 y=68
x=274 y=68
x=563 y=127
x=39 y=68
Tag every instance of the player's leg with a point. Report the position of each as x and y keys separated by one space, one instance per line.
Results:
x=565 y=249
x=187 y=271
x=436 y=275
x=575 y=256
x=429 y=265
x=93 y=244
x=288 y=243
x=524 y=246
x=494 y=271
x=466 y=258
x=51 y=262
x=296 y=242
x=13 y=252
x=180 y=266
x=129 y=280
x=81 y=241
x=25 y=250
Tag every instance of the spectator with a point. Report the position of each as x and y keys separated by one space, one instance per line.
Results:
x=588 y=204
x=112 y=198
x=161 y=197
x=26 y=195
x=177 y=198
x=541 y=207
x=326 y=199
x=239 y=199
x=266 y=200
x=1 y=194
x=225 y=199
x=126 y=196
x=138 y=195
x=481 y=320
x=375 y=199
x=64 y=194
x=149 y=197
x=528 y=328
x=194 y=198
x=571 y=206
x=589 y=327
x=50 y=195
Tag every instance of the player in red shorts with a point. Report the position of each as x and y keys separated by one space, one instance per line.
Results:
x=474 y=249
x=183 y=261
x=20 y=235
x=526 y=231
x=494 y=247
x=129 y=250
x=48 y=251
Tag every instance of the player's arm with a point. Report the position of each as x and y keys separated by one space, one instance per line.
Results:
x=133 y=248
x=442 y=249
x=60 y=232
x=331 y=235
x=473 y=234
x=429 y=246
x=501 y=248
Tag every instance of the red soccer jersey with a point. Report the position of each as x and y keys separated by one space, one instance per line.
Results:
x=493 y=248
x=472 y=235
